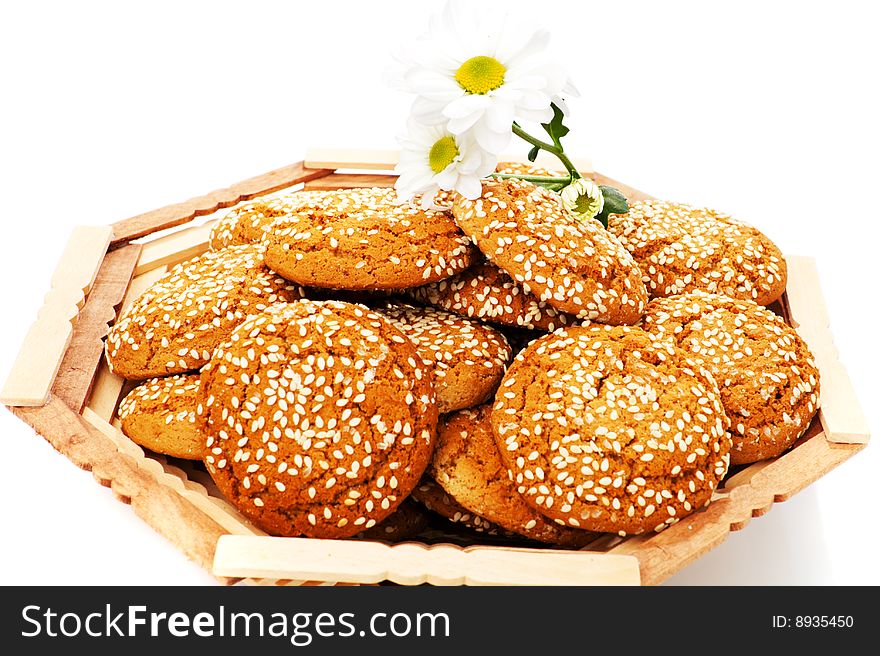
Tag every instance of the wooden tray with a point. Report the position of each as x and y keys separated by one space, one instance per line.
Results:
x=61 y=386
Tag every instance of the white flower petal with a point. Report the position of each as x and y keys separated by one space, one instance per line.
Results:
x=470 y=188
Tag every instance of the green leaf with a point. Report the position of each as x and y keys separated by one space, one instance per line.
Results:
x=614 y=203
x=533 y=153
x=555 y=128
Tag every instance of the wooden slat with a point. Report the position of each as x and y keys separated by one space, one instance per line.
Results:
x=39 y=358
x=386 y=160
x=162 y=507
x=351 y=181
x=347 y=158
x=174 y=248
x=174 y=215
x=840 y=412
x=412 y=564
x=631 y=193
x=80 y=363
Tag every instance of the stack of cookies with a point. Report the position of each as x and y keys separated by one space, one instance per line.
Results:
x=345 y=365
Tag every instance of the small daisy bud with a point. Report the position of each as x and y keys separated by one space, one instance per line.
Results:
x=583 y=198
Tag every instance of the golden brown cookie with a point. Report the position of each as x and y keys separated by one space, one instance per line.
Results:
x=467 y=465
x=319 y=417
x=486 y=292
x=434 y=498
x=248 y=223
x=680 y=248
x=523 y=168
x=174 y=325
x=606 y=429
x=576 y=266
x=403 y=524
x=160 y=414
x=469 y=358
x=765 y=372
x=364 y=239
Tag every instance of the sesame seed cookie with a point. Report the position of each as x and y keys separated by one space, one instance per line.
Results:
x=364 y=239
x=606 y=429
x=524 y=168
x=467 y=465
x=486 y=292
x=174 y=325
x=680 y=248
x=160 y=414
x=434 y=498
x=319 y=416
x=248 y=223
x=765 y=372
x=468 y=358
x=404 y=523
x=576 y=266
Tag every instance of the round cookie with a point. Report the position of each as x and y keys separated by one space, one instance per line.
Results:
x=768 y=382
x=467 y=465
x=319 y=417
x=576 y=266
x=174 y=325
x=434 y=498
x=606 y=429
x=248 y=223
x=403 y=524
x=526 y=168
x=680 y=248
x=364 y=239
x=486 y=292
x=160 y=414
x=468 y=358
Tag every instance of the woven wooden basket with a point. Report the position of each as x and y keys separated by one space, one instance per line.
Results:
x=61 y=386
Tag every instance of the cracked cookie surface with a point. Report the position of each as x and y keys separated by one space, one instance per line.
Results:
x=486 y=292
x=576 y=266
x=765 y=372
x=468 y=358
x=681 y=248
x=176 y=323
x=319 y=418
x=467 y=465
x=606 y=429
x=249 y=222
x=363 y=239
x=160 y=414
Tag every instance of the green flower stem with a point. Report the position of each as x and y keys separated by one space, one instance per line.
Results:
x=531 y=178
x=550 y=148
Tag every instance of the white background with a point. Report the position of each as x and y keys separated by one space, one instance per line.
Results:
x=767 y=110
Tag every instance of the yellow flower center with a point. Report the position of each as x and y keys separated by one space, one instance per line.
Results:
x=443 y=152
x=480 y=74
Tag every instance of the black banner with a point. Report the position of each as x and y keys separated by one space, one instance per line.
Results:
x=430 y=620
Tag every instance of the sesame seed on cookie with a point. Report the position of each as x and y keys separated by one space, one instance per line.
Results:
x=680 y=248
x=576 y=266
x=365 y=239
x=467 y=465
x=606 y=429
x=434 y=498
x=319 y=417
x=175 y=324
x=468 y=358
x=160 y=414
x=248 y=222
x=765 y=372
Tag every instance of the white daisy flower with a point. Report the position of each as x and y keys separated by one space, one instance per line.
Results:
x=583 y=198
x=434 y=159
x=480 y=73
